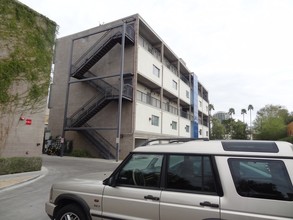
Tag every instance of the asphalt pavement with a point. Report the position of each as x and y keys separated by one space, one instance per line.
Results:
x=15 y=180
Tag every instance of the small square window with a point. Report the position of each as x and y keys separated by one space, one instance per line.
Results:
x=187 y=94
x=155 y=120
x=174 y=84
x=174 y=125
x=156 y=71
x=187 y=128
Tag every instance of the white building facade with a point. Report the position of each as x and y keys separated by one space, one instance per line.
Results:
x=166 y=100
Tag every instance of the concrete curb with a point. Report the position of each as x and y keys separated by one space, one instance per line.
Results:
x=12 y=181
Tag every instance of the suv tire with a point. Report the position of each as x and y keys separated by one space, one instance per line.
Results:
x=74 y=212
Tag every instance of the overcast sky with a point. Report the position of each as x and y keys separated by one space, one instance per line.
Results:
x=241 y=50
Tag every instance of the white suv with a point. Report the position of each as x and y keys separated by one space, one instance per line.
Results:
x=209 y=180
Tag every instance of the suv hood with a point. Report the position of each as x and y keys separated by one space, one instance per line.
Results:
x=90 y=183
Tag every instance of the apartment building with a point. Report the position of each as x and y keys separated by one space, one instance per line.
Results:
x=118 y=85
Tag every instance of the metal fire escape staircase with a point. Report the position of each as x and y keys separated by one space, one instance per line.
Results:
x=99 y=49
x=106 y=92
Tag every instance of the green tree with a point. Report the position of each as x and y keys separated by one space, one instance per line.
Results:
x=250 y=108
x=243 y=112
x=228 y=125
x=270 y=122
x=218 y=130
x=239 y=130
x=290 y=118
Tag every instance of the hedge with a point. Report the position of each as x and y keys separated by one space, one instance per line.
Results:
x=19 y=164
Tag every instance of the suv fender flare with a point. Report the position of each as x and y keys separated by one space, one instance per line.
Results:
x=76 y=199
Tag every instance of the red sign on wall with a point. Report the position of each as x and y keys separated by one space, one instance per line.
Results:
x=28 y=121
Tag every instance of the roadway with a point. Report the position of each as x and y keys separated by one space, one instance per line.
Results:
x=27 y=201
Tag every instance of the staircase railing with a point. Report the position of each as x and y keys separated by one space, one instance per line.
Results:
x=91 y=49
x=107 y=37
x=109 y=92
x=104 y=146
x=100 y=84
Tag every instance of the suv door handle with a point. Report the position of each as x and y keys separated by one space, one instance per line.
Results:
x=206 y=203
x=152 y=197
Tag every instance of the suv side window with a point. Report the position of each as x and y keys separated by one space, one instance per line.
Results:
x=267 y=179
x=141 y=170
x=190 y=172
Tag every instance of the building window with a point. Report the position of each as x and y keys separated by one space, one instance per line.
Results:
x=156 y=71
x=187 y=94
x=187 y=128
x=200 y=131
x=207 y=133
x=200 y=103
x=174 y=125
x=173 y=110
x=155 y=120
x=155 y=102
x=174 y=84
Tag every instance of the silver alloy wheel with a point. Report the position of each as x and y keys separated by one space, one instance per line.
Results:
x=69 y=216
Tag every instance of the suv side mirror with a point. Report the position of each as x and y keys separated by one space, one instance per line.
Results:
x=110 y=181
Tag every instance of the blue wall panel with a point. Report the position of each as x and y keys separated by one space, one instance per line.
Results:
x=195 y=106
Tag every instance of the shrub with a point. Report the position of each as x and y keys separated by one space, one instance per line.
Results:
x=20 y=164
x=288 y=139
x=80 y=153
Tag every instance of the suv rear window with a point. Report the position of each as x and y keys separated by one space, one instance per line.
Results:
x=267 y=179
x=191 y=173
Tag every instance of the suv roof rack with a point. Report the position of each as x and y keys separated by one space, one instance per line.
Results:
x=172 y=140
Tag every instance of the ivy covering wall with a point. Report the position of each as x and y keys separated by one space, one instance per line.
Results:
x=26 y=50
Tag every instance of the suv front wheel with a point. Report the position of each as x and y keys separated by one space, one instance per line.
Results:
x=70 y=211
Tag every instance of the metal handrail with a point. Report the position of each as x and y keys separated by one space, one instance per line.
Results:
x=110 y=34
x=99 y=136
x=91 y=48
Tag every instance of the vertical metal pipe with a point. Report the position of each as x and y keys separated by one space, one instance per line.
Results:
x=120 y=93
x=66 y=99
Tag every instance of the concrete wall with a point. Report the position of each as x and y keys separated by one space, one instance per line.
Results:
x=81 y=92
x=23 y=139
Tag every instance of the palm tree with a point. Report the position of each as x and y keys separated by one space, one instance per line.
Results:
x=243 y=112
x=231 y=112
x=211 y=107
x=250 y=108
